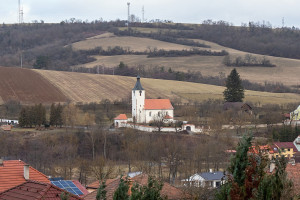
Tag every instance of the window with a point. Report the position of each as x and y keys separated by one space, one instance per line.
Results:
x=149 y=114
x=158 y=114
x=167 y=113
x=288 y=149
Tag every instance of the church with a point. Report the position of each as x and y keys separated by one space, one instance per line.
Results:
x=146 y=110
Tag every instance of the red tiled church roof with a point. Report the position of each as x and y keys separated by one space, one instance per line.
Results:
x=32 y=190
x=12 y=174
x=121 y=117
x=158 y=104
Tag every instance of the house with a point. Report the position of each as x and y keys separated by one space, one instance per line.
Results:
x=295 y=115
x=169 y=191
x=146 y=110
x=287 y=149
x=33 y=190
x=16 y=172
x=120 y=120
x=206 y=179
x=238 y=106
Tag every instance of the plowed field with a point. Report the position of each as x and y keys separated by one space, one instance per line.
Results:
x=27 y=86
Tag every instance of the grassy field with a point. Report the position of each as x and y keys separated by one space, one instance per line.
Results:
x=132 y=43
x=79 y=87
x=286 y=72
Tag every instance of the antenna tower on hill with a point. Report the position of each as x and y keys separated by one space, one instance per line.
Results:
x=20 y=12
x=143 y=12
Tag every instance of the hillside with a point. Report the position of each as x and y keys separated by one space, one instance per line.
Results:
x=82 y=87
x=45 y=86
x=284 y=72
x=27 y=86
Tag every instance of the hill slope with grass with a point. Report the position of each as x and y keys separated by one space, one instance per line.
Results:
x=82 y=87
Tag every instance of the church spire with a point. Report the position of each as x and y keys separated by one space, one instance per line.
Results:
x=138 y=85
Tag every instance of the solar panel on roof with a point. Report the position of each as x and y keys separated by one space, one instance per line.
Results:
x=68 y=186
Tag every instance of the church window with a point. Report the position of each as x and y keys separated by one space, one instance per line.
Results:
x=140 y=92
x=149 y=114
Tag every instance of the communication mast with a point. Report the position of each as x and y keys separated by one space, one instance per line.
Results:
x=143 y=16
x=20 y=12
x=128 y=4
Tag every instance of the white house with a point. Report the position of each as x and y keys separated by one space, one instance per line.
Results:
x=146 y=110
x=206 y=179
x=295 y=115
x=120 y=121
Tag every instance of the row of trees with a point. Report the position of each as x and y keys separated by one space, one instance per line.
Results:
x=248 y=61
x=32 y=116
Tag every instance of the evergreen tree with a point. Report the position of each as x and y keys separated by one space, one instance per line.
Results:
x=248 y=178
x=234 y=91
x=53 y=115
x=101 y=192
x=122 y=191
x=149 y=192
x=23 y=121
x=58 y=115
x=64 y=196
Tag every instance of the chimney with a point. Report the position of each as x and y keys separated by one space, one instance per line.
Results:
x=26 y=172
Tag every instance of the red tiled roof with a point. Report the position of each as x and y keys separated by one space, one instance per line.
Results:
x=169 y=191
x=32 y=190
x=286 y=145
x=168 y=117
x=293 y=172
x=121 y=117
x=95 y=185
x=80 y=187
x=110 y=190
x=12 y=174
x=158 y=104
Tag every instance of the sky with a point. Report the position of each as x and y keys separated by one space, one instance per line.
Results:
x=184 y=11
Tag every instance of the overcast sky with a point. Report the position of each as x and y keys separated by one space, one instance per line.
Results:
x=187 y=11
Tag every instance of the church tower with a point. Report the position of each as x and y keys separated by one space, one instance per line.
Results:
x=138 y=102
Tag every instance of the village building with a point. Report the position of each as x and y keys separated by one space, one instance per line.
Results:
x=206 y=179
x=33 y=190
x=16 y=172
x=295 y=115
x=146 y=110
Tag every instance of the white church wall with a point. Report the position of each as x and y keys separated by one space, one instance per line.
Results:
x=151 y=114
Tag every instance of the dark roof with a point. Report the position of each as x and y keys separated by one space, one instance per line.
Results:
x=138 y=85
x=236 y=105
x=285 y=145
x=209 y=176
x=32 y=190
